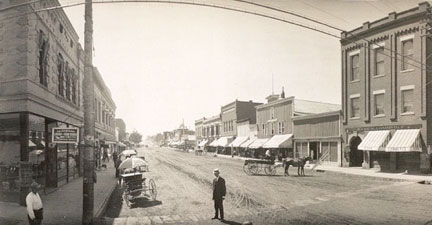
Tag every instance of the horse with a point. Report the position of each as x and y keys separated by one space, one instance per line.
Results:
x=299 y=162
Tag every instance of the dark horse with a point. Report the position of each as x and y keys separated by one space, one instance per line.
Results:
x=299 y=162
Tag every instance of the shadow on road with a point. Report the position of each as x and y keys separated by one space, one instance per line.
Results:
x=144 y=203
x=231 y=222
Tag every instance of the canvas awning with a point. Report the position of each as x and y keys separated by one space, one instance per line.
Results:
x=279 y=141
x=238 y=141
x=247 y=143
x=121 y=144
x=224 y=141
x=214 y=143
x=375 y=141
x=31 y=144
x=407 y=140
x=202 y=143
x=258 y=143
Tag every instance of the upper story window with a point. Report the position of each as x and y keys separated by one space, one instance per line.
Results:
x=407 y=54
x=355 y=67
x=60 y=74
x=379 y=103
x=281 y=127
x=43 y=59
x=272 y=112
x=379 y=61
x=407 y=99
x=355 y=106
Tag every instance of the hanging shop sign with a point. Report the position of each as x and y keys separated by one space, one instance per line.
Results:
x=65 y=135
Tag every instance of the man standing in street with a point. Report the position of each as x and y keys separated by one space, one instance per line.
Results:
x=219 y=192
x=34 y=205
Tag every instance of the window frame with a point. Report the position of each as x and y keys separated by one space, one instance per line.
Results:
x=352 y=114
x=380 y=93
x=381 y=62
x=352 y=55
x=403 y=90
x=407 y=59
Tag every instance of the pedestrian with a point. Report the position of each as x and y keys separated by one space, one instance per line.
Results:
x=219 y=192
x=118 y=162
x=34 y=205
x=114 y=155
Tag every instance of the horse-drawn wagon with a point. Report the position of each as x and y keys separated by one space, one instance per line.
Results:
x=255 y=166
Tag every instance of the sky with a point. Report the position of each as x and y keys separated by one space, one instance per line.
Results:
x=165 y=63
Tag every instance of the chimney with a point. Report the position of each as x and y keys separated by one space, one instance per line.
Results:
x=283 y=93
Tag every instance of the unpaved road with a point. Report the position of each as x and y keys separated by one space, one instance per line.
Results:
x=184 y=191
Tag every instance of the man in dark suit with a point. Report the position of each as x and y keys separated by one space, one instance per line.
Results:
x=219 y=192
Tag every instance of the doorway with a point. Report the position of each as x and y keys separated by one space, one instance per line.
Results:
x=355 y=155
x=314 y=150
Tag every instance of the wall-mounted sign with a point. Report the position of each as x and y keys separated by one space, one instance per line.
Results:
x=65 y=135
x=389 y=127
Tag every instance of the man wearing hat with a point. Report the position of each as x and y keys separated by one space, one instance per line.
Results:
x=34 y=205
x=219 y=192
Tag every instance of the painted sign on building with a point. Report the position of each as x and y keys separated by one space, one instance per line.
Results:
x=65 y=135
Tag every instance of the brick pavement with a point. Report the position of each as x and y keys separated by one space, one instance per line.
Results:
x=64 y=206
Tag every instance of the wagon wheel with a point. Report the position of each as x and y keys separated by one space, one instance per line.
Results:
x=253 y=168
x=152 y=189
x=246 y=169
x=270 y=170
x=126 y=199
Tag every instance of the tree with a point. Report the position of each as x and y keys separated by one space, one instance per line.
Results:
x=135 y=137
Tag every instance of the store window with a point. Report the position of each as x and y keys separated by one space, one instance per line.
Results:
x=36 y=147
x=407 y=54
x=10 y=146
x=304 y=149
x=407 y=100
x=355 y=67
x=379 y=61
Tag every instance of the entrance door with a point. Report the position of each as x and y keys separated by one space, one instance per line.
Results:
x=313 y=150
x=356 y=156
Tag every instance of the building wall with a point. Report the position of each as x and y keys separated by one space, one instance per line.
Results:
x=282 y=113
x=328 y=126
x=390 y=32
x=229 y=120
x=104 y=109
x=20 y=88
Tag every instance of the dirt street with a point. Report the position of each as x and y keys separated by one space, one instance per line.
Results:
x=184 y=195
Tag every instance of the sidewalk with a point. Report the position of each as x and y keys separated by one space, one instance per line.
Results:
x=64 y=206
x=357 y=171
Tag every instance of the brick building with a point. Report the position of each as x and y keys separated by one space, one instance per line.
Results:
x=212 y=131
x=385 y=95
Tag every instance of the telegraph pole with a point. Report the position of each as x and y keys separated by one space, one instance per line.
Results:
x=89 y=118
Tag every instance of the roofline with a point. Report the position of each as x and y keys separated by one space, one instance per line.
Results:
x=282 y=100
x=318 y=115
x=393 y=17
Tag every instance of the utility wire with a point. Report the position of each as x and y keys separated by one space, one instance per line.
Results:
x=334 y=27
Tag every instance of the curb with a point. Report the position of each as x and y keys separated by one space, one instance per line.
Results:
x=103 y=208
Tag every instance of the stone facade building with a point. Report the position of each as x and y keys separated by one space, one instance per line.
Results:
x=41 y=76
x=385 y=94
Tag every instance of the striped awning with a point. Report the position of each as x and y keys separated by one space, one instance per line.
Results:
x=202 y=143
x=375 y=141
x=247 y=143
x=238 y=141
x=258 y=143
x=279 y=141
x=407 y=140
x=224 y=141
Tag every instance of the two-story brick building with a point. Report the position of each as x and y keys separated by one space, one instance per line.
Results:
x=386 y=94
x=105 y=117
x=212 y=132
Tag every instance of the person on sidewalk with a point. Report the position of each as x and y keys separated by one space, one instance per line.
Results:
x=219 y=192
x=34 y=205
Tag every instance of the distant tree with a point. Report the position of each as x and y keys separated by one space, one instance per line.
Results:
x=135 y=137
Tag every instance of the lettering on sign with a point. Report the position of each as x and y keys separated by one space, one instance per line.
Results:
x=65 y=135
x=390 y=127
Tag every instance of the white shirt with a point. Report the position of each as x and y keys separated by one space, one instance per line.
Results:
x=268 y=153
x=33 y=202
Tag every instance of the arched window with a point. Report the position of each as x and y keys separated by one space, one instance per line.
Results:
x=60 y=74
x=43 y=59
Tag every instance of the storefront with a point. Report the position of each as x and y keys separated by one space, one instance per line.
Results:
x=280 y=146
x=26 y=153
x=235 y=145
x=393 y=150
x=244 y=148
x=319 y=137
x=256 y=148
